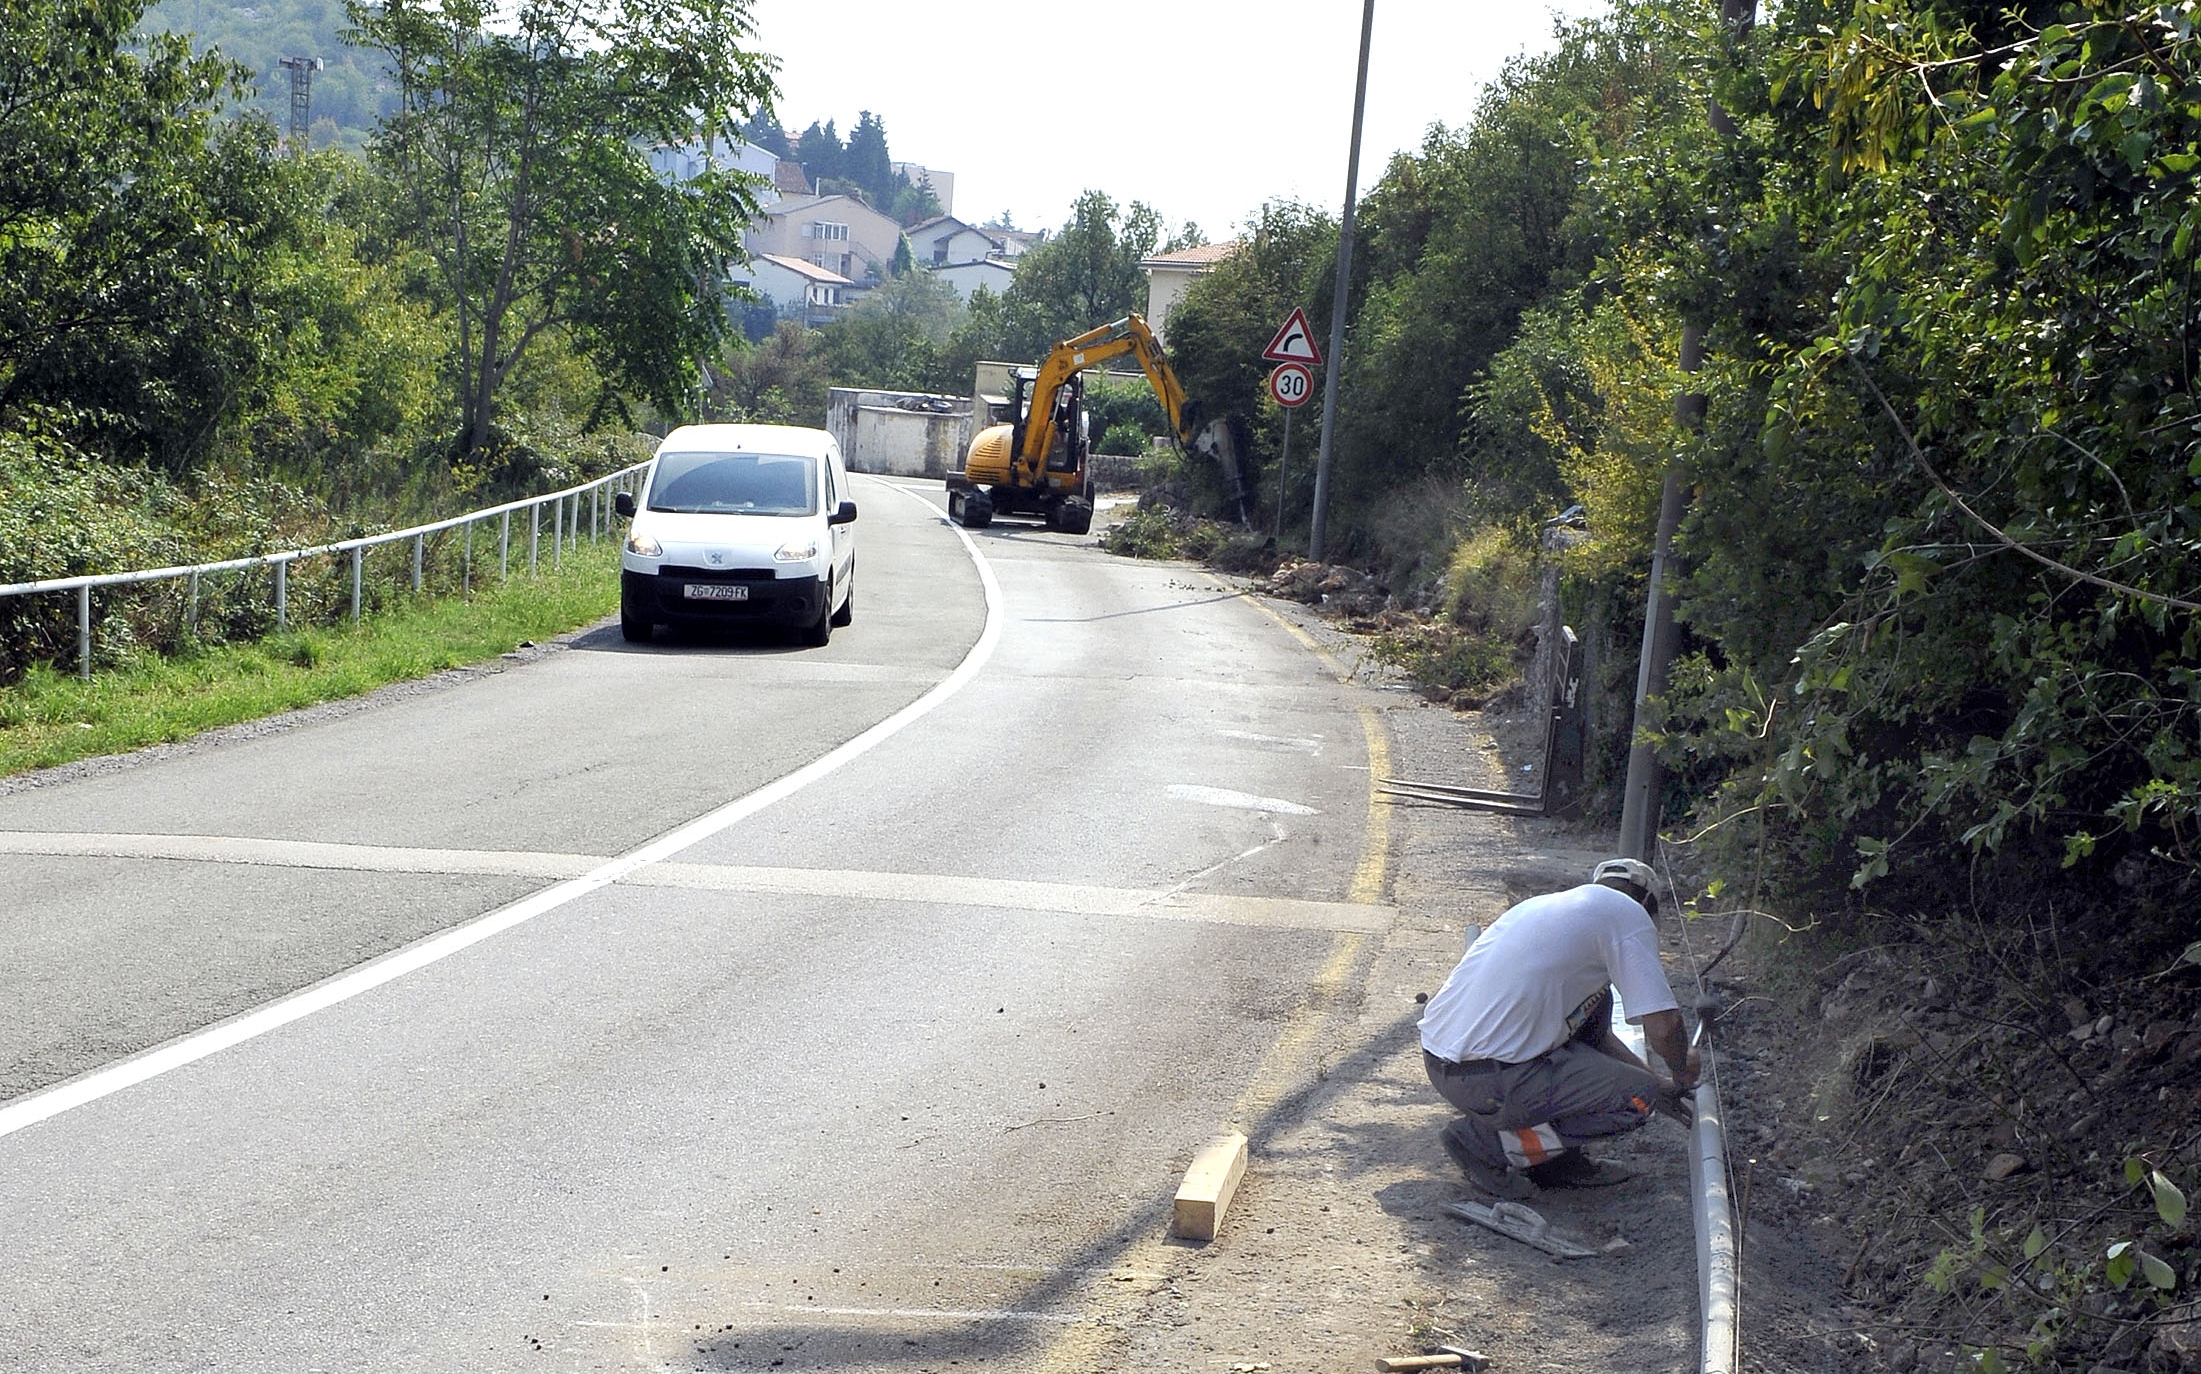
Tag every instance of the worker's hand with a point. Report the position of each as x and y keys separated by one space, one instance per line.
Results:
x=1676 y=1103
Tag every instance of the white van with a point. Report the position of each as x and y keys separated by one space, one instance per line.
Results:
x=741 y=524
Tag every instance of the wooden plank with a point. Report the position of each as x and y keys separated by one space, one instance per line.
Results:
x=1208 y=1187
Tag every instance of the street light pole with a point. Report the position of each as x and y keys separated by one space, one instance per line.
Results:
x=1337 y=300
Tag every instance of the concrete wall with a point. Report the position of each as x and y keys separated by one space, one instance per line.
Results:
x=901 y=433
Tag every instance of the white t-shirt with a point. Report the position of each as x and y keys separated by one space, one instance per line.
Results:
x=1521 y=989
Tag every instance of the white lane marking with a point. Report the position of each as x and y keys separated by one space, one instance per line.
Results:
x=263 y=853
x=1240 y=801
x=99 y=1083
x=1175 y=903
x=1298 y=744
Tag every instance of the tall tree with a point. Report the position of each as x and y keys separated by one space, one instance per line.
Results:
x=135 y=229
x=1087 y=275
x=868 y=163
x=763 y=129
x=518 y=140
x=820 y=152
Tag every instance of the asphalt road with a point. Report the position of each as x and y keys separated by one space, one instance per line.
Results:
x=541 y=1038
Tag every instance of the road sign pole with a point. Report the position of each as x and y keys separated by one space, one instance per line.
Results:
x=1283 y=464
x=1338 y=300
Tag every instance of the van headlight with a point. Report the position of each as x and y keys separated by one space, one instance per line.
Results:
x=796 y=551
x=645 y=546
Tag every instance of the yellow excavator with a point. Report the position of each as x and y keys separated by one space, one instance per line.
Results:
x=1036 y=464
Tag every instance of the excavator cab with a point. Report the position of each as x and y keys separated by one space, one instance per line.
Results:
x=1069 y=432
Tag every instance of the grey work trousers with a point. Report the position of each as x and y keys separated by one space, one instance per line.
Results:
x=1515 y=1115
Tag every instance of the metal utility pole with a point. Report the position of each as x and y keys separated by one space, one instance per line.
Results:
x=1337 y=300
x=1639 y=796
x=301 y=71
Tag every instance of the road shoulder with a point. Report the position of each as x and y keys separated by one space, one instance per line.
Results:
x=1337 y=1249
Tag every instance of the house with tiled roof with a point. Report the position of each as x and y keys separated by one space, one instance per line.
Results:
x=801 y=290
x=1170 y=275
x=839 y=233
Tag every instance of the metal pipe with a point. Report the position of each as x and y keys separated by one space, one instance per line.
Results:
x=466 y=563
x=534 y=537
x=557 y=532
x=357 y=556
x=595 y=513
x=416 y=562
x=191 y=608
x=282 y=594
x=1715 y=1222
x=1338 y=298
x=84 y=632
x=504 y=550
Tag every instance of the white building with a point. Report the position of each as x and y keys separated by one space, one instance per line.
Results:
x=966 y=277
x=679 y=162
x=801 y=290
x=945 y=240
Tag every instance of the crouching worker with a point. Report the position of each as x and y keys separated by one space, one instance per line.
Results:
x=1520 y=1036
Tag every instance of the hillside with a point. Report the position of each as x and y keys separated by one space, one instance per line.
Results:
x=348 y=95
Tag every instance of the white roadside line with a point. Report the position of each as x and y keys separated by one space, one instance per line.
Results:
x=51 y=1102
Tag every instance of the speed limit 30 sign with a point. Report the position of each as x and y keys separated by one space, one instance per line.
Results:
x=1291 y=384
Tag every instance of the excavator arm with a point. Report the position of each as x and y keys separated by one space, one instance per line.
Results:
x=1091 y=349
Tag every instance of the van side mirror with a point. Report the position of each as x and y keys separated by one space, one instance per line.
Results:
x=846 y=515
x=624 y=504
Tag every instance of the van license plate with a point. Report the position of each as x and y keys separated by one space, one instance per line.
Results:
x=715 y=591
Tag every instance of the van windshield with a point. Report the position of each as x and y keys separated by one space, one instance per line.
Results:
x=735 y=484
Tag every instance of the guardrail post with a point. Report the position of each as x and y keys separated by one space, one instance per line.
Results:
x=595 y=513
x=416 y=562
x=466 y=563
x=504 y=550
x=557 y=532
x=191 y=607
x=282 y=594
x=359 y=555
x=84 y=632
x=534 y=537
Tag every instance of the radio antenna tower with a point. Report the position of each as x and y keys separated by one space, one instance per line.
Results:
x=301 y=71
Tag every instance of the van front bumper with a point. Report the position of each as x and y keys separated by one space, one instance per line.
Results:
x=662 y=597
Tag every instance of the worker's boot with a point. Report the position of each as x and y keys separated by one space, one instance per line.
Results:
x=1573 y=1169
x=1499 y=1183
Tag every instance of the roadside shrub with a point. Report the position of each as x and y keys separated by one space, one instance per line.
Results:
x=1490 y=584
x=1448 y=658
x=1125 y=439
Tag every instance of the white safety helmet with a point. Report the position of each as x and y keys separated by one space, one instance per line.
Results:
x=1632 y=876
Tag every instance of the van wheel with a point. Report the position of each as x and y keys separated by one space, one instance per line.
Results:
x=819 y=632
x=847 y=613
x=633 y=628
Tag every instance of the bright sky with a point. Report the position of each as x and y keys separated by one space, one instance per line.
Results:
x=1201 y=108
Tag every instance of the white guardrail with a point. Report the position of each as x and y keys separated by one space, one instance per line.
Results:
x=565 y=530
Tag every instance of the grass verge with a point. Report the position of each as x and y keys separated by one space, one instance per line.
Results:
x=52 y=717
